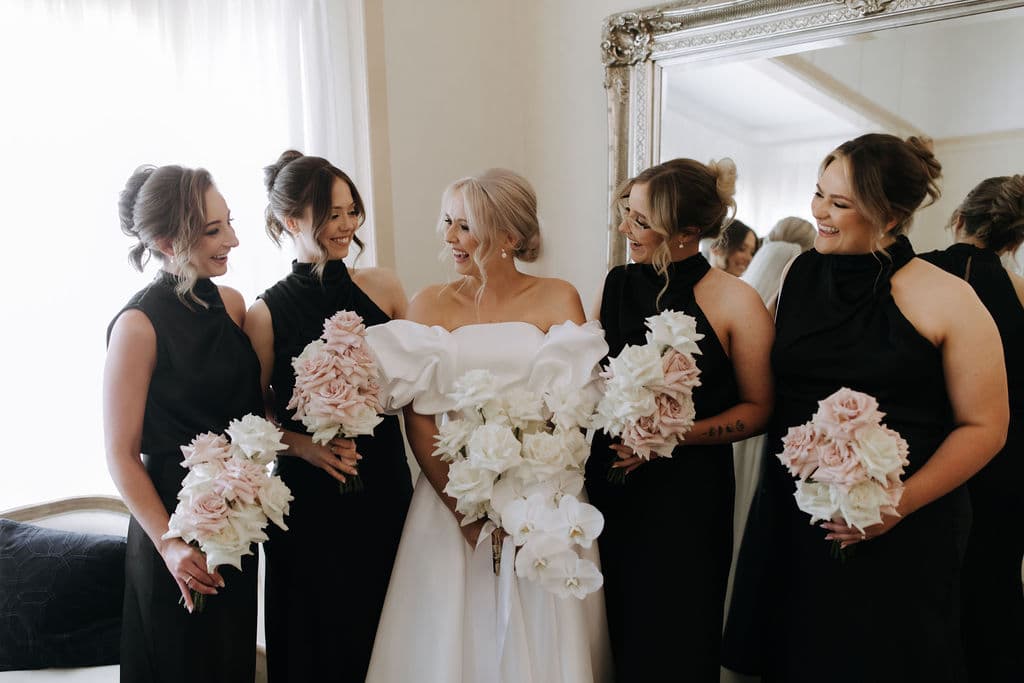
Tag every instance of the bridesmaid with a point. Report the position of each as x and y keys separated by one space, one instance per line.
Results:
x=988 y=223
x=667 y=542
x=734 y=248
x=178 y=365
x=327 y=576
x=860 y=311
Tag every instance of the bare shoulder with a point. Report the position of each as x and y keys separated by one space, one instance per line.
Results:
x=728 y=291
x=431 y=304
x=234 y=302
x=133 y=326
x=258 y=316
x=935 y=302
x=560 y=299
x=376 y=276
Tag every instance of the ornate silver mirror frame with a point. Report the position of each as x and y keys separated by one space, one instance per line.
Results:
x=636 y=46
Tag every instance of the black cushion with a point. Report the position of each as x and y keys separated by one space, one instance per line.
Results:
x=60 y=597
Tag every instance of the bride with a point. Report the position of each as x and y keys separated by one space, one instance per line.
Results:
x=448 y=617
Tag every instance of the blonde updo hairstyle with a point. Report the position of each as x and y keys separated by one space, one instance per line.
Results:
x=166 y=203
x=296 y=183
x=793 y=230
x=687 y=200
x=498 y=203
x=890 y=178
x=993 y=213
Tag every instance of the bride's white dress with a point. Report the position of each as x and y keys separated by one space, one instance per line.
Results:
x=447 y=617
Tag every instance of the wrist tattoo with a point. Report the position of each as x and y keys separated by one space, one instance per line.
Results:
x=736 y=427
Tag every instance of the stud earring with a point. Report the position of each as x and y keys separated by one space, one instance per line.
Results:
x=504 y=254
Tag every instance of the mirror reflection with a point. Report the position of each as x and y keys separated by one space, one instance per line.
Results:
x=777 y=116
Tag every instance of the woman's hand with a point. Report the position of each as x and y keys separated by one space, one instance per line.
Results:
x=848 y=535
x=628 y=459
x=188 y=567
x=337 y=457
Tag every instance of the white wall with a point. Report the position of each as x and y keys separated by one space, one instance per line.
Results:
x=470 y=85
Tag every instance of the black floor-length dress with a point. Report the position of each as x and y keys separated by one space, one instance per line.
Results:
x=206 y=375
x=667 y=540
x=327 y=576
x=890 y=611
x=993 y=598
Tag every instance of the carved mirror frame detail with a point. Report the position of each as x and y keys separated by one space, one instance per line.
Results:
x=635 y=45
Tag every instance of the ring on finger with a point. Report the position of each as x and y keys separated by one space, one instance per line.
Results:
x=188 y=581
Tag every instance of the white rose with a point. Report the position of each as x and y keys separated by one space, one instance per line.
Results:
x=675 y=329
x=637 y=366
x=494 y=447
x=473 y=390
x=274 y=499
x=469 y=483
x=523 y=407
x=816 y=499
x=221 y=554
x=863 y=504
x=362 y=420
x=572 y=407
x=623 y=406
x=544 y=455
x=257 y=437
x=452 y=437
x=879 y=453
x=577 y=450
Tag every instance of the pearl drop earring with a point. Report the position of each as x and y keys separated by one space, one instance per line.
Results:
x=504 y=254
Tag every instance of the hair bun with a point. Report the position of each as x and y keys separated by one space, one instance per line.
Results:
x=128 y=196
x=724 y=171
x=924 y=148
x=270 y=172
x=530 y=249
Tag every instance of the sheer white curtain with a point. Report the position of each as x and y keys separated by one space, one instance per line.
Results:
x=92 y=89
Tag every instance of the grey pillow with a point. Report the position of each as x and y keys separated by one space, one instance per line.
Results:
x=61 y=594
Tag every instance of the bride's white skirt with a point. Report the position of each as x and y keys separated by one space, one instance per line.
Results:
x=448 y=619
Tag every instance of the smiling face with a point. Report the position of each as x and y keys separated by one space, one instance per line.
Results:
x=636 y=226
x=736 y=263
x=458 y=236
x=209 y=255
x=842 y=228
x=337 y=232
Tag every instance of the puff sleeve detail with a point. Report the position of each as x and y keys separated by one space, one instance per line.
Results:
x=416 y=364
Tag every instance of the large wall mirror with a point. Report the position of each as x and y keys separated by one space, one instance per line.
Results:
x=777 y=84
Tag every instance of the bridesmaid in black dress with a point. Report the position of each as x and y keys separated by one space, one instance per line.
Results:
x=178 y=365
x=990 y=222
x=327 y=576
x=860 y=311
x=667 y=541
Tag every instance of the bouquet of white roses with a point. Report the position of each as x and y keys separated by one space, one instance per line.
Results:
x=336 y=390
x=229 y=495
x=848 y=464
x=517 y=459
x=648 y=391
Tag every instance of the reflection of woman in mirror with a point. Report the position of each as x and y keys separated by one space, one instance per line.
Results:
x=321 y=616
x=734 y=248
x=989 y=223
x=860 y=311
x=178 y=365
x=667 y=541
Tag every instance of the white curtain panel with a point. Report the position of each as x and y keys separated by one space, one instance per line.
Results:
x=92 y=89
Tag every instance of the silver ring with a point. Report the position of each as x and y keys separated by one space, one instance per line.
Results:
x=188 y=581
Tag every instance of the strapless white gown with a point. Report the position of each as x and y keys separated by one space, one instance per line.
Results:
x=447 y=617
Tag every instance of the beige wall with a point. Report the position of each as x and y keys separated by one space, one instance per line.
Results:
x=461 y=85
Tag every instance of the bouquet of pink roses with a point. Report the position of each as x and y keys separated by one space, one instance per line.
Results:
x=336 y=390
x=847 y=463
x=229 y=495
x=516 y=459
x=648 y=397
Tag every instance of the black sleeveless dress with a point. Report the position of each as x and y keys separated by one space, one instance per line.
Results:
x=890 y=612
x=327 y=576
x=667 y=541
x=993 y=601
x=206 y=375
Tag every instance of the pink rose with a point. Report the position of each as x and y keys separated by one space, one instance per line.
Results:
x=206 y=448
x=838 y=464
x=342 y=330
x=311 y=373
x=681 y=375
x=355 y=366
x=800 y=450
x=644 y=436
x=241 y=481
x=206 y=514
x=846 y=411
x=674 y=417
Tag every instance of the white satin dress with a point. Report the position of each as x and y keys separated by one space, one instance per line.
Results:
x=447 y=617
